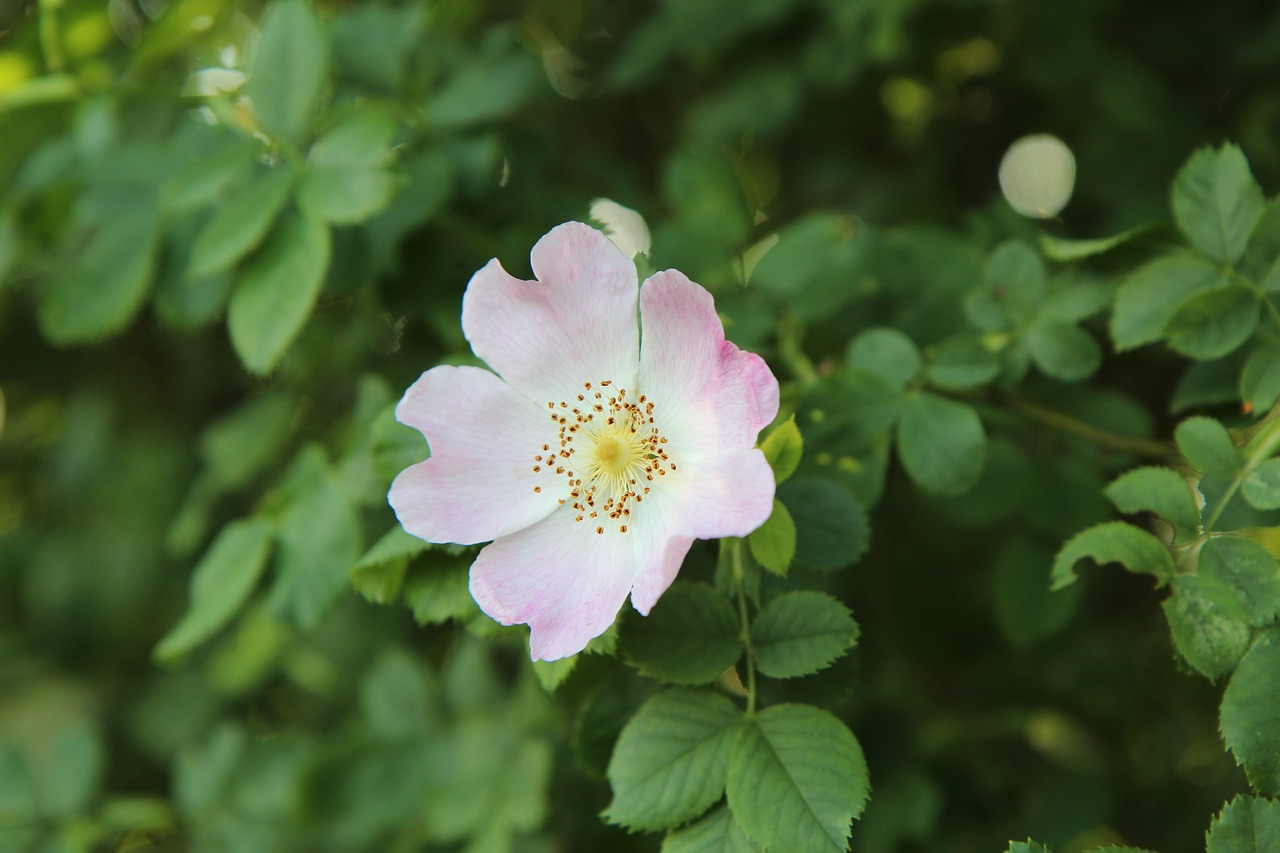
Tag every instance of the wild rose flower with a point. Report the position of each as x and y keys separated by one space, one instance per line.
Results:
x=591 y=457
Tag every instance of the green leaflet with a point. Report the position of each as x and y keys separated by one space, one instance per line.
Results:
x=1113 y=542
x=670 y=762
x=801 y=632
x=797 y=777
x=1245 y=825
x=691 y=636
x=1216 y=202
x=1250 y=720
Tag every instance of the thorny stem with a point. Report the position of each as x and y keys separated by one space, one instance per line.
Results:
x=1089 y=432
x=735 y=558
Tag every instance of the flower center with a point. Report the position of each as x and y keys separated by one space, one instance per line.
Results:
x=621 y=453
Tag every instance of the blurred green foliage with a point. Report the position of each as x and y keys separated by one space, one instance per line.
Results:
x=232 y=232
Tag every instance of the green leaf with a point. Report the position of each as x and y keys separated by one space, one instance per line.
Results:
x=100 y=289
x=831 y=528
x=1149 y=298
x=1064 y=350
x=960 y=364
x=552 y=673
x=1213 y=324
x=361 y=140
x=379 y=574
x=486 y=88
x=345 y=196
x=393 y=697
x=1159 y=490
x=1260 y=380
x=797 y=777
x=1210 y=626
x=239 y=226
x=239 y=445
x=1261 y=488
x=439 y=593
x=289 y=69
x=72 y=770
x=206 y=179
x=1026 y=610
x=887 y=353
x=1064 y=249
x=1249 y=570
x=220 y=585
x=275 y=294
x=801 y=632
x=773 y=544
x=717 y=832
x=1216 y=202
x=691 y=637
x=203 y=769
x=17 y=787
x=1114 y=542
x=319 y=541
x=1208 y=447
x=1027 y=846
x=1250 y=719
x=1017 y=275
x=1246 y=825
x=941 y=443
x=1208 y=383
x=670 y=761
x=783 y=448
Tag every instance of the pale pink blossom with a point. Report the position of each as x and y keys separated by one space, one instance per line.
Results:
x=591 y=457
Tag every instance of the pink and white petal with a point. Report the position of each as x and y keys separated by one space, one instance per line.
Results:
x=560 y=577
x=707 y=393
x=710 y=496
x=576 y=324
x=662 y=563
x=479 y=482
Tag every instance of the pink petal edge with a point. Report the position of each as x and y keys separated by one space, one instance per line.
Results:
x=479 y=482
x=576 y=324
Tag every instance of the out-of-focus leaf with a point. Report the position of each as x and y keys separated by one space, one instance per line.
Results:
x=239 y=226
x=1207 y=445
x=1064 y=350
x=319 y=536
x=290 y=69
x=1148 y=299
x=941 y=443
x=220 y=585
x=277 y=290
x=887 y=353
x=103 y=287
x=1217 y=202
x=1212 y=324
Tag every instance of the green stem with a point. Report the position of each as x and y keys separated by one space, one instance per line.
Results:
x=1089 y=432
x=735 y=559
x=1262 y=446
x=50 y=43
x=793 y=356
